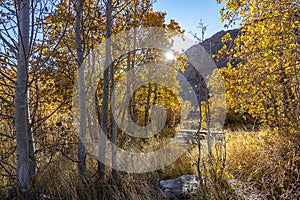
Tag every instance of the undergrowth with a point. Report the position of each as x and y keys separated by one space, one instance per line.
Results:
x=267 y=160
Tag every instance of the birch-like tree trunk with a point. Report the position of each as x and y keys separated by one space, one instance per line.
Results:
x=81 y=87
x=108 y=61
x=23 y=176
x=114 y=125
x=31 y=146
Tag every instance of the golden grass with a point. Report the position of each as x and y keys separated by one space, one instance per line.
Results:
x=267 y=160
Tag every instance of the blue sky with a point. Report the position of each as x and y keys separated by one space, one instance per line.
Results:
x=189 y=12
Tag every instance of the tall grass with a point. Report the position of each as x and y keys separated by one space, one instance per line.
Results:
x=61 y=181
x=266 y=160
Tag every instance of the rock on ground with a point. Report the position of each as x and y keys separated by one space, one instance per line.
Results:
x=179 y=187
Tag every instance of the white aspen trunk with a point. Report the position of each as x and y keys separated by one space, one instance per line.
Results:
x=81 y=87
x=114 y=126
x=23 y=176
x=31 y=147
x=108 y=60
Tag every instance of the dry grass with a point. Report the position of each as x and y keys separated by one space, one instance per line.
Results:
x=61 y=181
x=266 y=160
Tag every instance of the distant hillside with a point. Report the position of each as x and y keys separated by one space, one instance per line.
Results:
x=212 y=45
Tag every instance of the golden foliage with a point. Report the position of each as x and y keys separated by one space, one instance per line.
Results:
x=265 y=83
